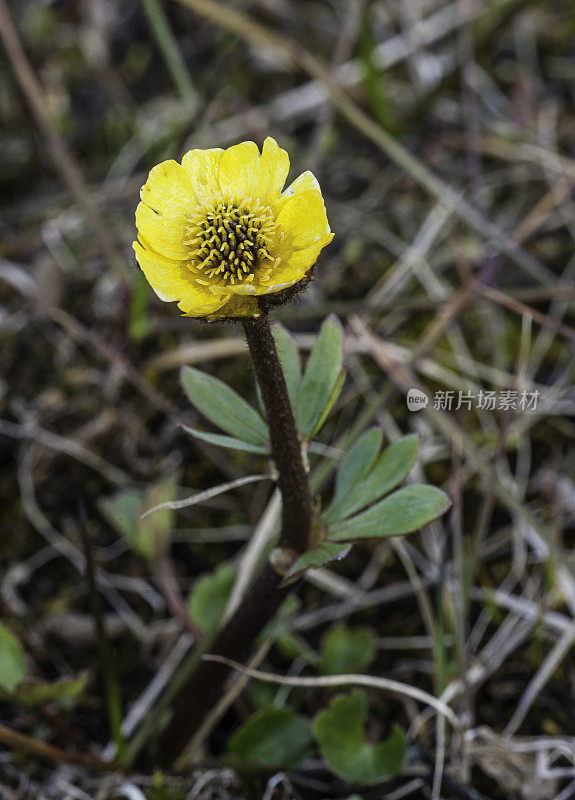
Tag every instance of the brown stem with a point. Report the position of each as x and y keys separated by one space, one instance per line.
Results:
x=264 y=596
x=285 y=444
x=205 y=686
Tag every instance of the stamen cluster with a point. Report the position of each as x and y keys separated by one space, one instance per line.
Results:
x=231 y=242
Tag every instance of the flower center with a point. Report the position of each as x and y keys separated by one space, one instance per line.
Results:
x=231 y=242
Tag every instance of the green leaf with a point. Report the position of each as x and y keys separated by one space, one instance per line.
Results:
x=260 y=695
x=321 y=375
x=353 y=470
x=221 y=440
x=346 y=649
x=340 y=732
x=224 y=407
x=155 y=530
x=331 y=401
x=209 y=598
x=12 y=660
x=290 y=361
x=124 y=511
x=33 y=693
x=292 y=646
x=272 y=739
x=404 y=511
x=388 y=471
x=314 y=559
x=358 y=462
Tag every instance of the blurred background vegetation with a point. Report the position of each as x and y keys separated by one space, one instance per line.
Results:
x=389 y=103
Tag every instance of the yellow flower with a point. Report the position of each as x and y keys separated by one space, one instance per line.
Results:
x=217 y=230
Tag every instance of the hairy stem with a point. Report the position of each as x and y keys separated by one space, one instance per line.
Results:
x=285 y=444
x=264 y=596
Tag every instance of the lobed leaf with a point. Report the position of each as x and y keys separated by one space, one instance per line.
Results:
x=353 y=470
x=221 y=440
x=404 y=511
x=12 y=660
x=34 y=693
x=224 y=407
x=290 y=361
x=321 y=375
x=385 y=474
x=331 y=401
x=124 y=510
x=271 y=739
x=314 y=559
x=209 y=598
x=155 y=530
x=293 y=647
x=346 y=649
x=340 y=732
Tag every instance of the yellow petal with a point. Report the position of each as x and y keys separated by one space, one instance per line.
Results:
x=172 y=280
x=245 y=173
x=238 y=306
x=272 y=171
x=296 y=267
x=165 y=233
x=201 y=167
x=191 y=309
x=303 y=218
x=237 y=175
x=237 y=288
x=302 y=183
x=162 y=214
